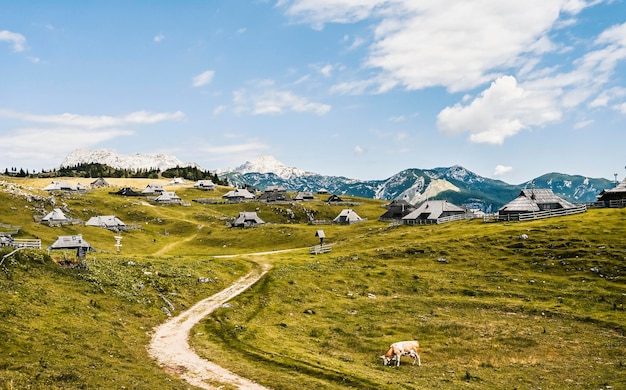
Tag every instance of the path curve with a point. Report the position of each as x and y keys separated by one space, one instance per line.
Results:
x=170 y=345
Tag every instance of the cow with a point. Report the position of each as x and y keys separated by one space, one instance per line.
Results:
x=401 y=348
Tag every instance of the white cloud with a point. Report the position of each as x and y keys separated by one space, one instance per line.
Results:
x=242 y=30
x=358 y=149
x=450 y=43
x=158 y=38
x=401 y=136
x=319 y=12
x=302 y=79
x=501 y=170
x=218 y=110
x=356 y=42
x=17 y=40
x=397 y=119
x=68 y=132
x=507 y=107
x=605 y=97
x=326 y=70
x=203 y=78
x=93 y=122
x=25 y=143
x=501 y=111
x=272 y=101
x=583 y=124
x=620 y=107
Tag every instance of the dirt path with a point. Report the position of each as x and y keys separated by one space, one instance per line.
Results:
x=170 y=346
x=171 y=245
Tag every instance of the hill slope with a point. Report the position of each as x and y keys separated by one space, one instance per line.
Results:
x=489 y=307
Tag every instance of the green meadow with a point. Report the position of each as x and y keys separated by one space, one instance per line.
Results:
x=491 y=310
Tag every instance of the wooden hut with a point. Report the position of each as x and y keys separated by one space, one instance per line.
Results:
x=304 y=196
x=99 y=183
x=434 y=211
x=152 y=189
x=396 y=210
x=168 y=197
x=75 y=242
x=274 y=194
x=532 y=201
x=60 y=186
x=247 y=219
x=126 y=191
x=347 y=217
x=110 y=222
x=238 y=195
x=614 y=197
x=55 y=217
x=204 y=185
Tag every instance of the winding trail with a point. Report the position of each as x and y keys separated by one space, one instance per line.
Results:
x=170 y=346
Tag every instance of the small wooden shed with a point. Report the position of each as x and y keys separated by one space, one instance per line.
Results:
x=347 y=217
x=247 y=219
x=434 y=211
x=72 y=242
x=396 y=210
x=55 y=217
x=534 y=200
x=110 y=222
x=614 y=197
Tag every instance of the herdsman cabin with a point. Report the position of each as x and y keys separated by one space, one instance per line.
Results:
x=63 y=186
x=56 y=218
x=614 y=197
x=434 y=211
x=347 y=217
x=126 y=191
x=396 y=210
x=75 y=242
x=274 y=194
x=238 y=195
x=533 y=201
x=99 y=183
x=110 y=222
x=304 y=196
x=204 y=185
x=247 y=219
x=153 y=189
x=168 y=197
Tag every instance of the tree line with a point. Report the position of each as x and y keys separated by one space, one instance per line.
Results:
x=102 y=170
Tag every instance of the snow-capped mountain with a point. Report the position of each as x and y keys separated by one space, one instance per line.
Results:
x=456 y=184
x=269 y=164
x=119 y=161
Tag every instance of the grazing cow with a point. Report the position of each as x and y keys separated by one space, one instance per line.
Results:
x=401 y=348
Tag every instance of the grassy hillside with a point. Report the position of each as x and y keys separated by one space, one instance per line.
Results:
x=490 y=309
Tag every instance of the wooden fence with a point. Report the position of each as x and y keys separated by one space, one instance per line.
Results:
x=317 y=249
x=456 y=217
x=616 y=203
x=320 y=222
x=6 y=229
x=535 y=215
x=26 y=243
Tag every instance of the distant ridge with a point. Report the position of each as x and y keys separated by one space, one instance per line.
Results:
x=456 y=184
x=119 y=161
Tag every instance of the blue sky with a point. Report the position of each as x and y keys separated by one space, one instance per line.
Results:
x=357 y=88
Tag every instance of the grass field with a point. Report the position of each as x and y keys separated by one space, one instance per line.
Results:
x=491 y=310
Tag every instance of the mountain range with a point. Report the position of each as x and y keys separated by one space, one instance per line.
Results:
x=134 y=161
x=455 y=184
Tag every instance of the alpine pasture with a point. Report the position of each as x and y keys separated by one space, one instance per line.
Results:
x=491 y=310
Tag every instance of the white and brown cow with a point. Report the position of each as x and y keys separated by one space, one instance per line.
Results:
x=401 y=348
